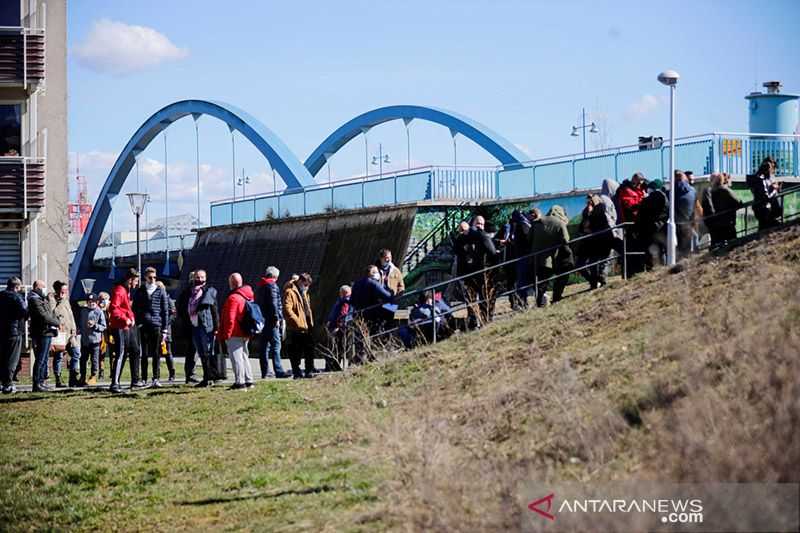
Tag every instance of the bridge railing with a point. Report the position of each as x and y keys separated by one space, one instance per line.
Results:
x=390 y=188
x=736 y=153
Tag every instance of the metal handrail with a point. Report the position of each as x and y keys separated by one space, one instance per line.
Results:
x=455 y=213
x=535 y=284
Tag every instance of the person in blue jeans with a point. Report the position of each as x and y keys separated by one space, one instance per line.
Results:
x=268 y=297
x=43 y=327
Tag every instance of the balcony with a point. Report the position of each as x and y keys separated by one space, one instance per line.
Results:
x=22 y=185
x=22 y=56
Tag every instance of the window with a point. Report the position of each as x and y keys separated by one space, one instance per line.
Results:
x=10 y=130
x=10 y=13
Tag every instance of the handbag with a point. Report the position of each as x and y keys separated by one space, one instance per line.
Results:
x=59 y=342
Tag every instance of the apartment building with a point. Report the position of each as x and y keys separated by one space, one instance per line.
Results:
x=33 y=140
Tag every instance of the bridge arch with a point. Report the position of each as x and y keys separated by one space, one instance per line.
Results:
x=294 y=174
x=497 y=146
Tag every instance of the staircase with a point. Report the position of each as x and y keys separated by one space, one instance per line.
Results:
x=436 y=244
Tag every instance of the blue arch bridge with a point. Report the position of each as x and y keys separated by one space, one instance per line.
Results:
x=305 y=203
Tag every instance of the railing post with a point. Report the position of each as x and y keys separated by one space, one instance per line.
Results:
x=795 y=155
x=534 y=179
x=624 y=253
x=395 y=189
x=433 y=313
x=616 y=166
x=574 y=186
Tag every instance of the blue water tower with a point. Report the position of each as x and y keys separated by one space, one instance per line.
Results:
x=773 y=111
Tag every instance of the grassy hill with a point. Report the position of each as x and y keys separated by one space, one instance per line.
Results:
x=686 y=376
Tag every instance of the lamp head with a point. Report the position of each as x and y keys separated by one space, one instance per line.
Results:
x=138 y=201
x=593 y=129
x=574 y=131
x=669 y=78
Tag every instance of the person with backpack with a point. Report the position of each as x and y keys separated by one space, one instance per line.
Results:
x=269 y=299
x=151 y=308
x=238 y=324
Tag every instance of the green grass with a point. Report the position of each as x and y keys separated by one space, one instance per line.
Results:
x=280 y=457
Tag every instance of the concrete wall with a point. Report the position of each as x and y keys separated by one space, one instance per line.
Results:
x=333 y=248
x=53 y=226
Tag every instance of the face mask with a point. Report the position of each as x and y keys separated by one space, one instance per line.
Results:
x=376 y=276
x=197 y=282
x=303 y=288
x=150 y=284
x=385 y=262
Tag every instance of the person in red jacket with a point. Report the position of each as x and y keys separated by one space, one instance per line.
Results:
x=121 y=322
x=629 y=195
x=230 y=331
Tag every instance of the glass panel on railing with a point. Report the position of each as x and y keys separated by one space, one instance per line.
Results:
x=694 y=156
x=291 y=205
x=517 y=183
x=414 y=187
x=244 y=211
x=266 y=208
x=590 y=172
x=318 y=201
x=554 y=177
x=379 y=192
x=348 y=196
x=221 y=214
x=648 y=162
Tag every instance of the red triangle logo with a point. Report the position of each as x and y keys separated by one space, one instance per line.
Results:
x=534 y=506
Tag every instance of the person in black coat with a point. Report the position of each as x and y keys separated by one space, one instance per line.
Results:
x=151 y=307
x=650 y=226
x=13 y=312
x=475 y=251
x=43 y=327
x=766 y=206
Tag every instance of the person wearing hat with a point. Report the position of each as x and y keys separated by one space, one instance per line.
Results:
x=93 y=324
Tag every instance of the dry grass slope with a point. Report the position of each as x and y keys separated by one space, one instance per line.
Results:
x=691 y=376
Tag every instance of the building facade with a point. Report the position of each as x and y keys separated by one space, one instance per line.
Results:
x=33 y=140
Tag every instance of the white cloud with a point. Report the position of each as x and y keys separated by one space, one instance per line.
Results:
x=120 y=48
x=645 y=105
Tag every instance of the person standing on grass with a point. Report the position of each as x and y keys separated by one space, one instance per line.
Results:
x=299 y=322
x=166 y=346
x=43 y=327
x=103 y=301
x=185 y=329
x=551 y=237
x=201 y=310
x=59 y=302
x=13 y=313
x=231 y=332
x=719 y=208
x=269 y=299
x=124 y=341
x=151 y=307
x=93 y=325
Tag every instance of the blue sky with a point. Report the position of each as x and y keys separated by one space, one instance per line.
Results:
x=523 y=68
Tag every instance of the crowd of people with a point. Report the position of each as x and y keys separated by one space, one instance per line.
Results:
x=140 y=323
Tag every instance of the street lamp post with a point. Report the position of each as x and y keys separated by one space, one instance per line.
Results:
x=138 y=201
x=380 y=159
x=582 y=128
x=670 y=79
